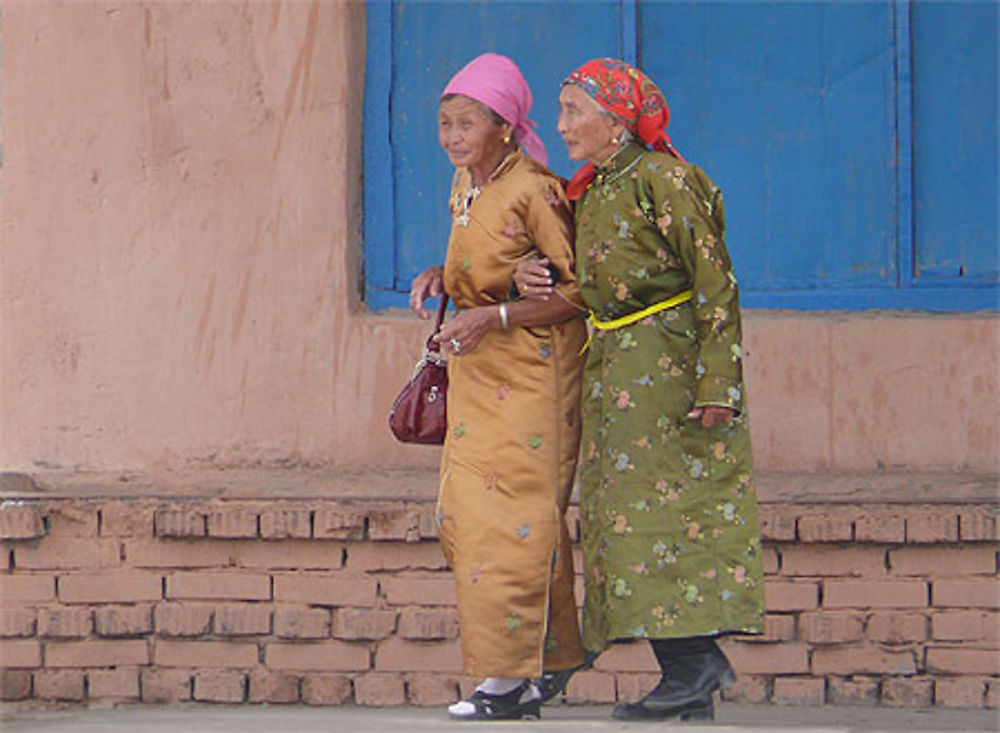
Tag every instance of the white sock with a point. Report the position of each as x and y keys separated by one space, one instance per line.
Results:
x=492 y=686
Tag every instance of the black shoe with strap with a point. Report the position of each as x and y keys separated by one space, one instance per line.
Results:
x=551 y=684
x=521 y=702
x=693 y=668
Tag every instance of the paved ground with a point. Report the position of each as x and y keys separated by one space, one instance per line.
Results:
x=556 y=719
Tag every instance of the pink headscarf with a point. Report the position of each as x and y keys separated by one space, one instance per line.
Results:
x=495 y=81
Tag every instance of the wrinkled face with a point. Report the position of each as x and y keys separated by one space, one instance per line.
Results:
x=468 y=133
x=584 y=126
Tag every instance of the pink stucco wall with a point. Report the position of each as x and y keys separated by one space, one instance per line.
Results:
x=179 y=271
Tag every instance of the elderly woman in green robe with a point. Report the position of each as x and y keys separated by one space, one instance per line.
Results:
x=671 y=540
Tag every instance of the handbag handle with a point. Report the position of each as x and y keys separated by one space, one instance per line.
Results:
x=433 y=345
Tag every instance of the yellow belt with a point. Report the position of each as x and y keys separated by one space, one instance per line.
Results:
x=682 y=297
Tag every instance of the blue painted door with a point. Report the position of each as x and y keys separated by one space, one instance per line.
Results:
x=856 y=142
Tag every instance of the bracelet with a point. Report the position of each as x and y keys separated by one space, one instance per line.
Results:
x=504 y=317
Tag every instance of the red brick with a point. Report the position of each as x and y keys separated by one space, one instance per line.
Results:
x=231 y=522
x=634 y=656
x=749 y=688
x=64 y=553
x=126 y=519
x=826 y=627
x=790 y=596
x=65 y=622
x=17 y=622
x=960 y=692
x=363 y=623
x=4 y=558
x=181 y=553
x=273 y=688
x=111 y=587
x=908 y=692
x=14 y=685
x=59 y=685
x=883 y=528
x=166 y=685
x=179 y=523
x=219 y=586
x=219 y=685
x=299 y=622
x=824 y=560
x=853 y=660
x=281 y=524
x=243 y=619
x=770 y=559
x=289 y=555
x=214 y=654
x=896 y=628
x=977 y=524
x=946 y=561
x=435 y=589
x=934 y=525
x=399 y=523
x=966 y=593
x=853 y=691
x=428 y=623
x=832 y=527
x=24 y=653
x=66 y=519
x=113 y=684
x=20 y=522
x=379 y=690
x=965 y=626
x=123 y=620
x=781 y=627
x=325 y=589
x=787 y=658
x=874 y=594
x=963 y=661
x=777 y=523
x=27 y=588
x=97 y=653
x=400 y=655
x=317 y=656
x=182 y=619
x=431 y=690
x=591 y=686
x=396 y=556
x=632 y=686
x=338 y=524
x=993 y=694
x=326 y=689
x=798 y=691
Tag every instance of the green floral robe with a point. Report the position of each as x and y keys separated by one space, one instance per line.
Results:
x=671 y=539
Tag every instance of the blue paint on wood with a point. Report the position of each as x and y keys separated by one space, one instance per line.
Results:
x=955 y=141
x=802 y=112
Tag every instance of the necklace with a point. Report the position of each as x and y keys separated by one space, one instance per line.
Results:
x=603 y=177
x=464 y=200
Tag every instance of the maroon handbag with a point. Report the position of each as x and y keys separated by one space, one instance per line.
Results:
x=419 y=413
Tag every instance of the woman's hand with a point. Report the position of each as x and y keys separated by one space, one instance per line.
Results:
x=532 y=279
x=462 y=334
x=712 y=415
x=428 y=284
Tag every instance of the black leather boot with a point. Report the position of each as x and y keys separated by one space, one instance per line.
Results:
x=693 y=668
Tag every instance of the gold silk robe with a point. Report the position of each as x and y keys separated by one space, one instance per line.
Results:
x=513 y=432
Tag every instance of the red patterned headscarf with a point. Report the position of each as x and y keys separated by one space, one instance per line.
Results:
x=632 y=98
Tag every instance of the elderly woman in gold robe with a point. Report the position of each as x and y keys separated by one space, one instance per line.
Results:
x=513 y=398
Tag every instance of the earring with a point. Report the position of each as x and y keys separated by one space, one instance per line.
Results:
x=615 y=140
x=506 y=139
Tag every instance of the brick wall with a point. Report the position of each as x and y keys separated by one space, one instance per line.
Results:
x=331 y=601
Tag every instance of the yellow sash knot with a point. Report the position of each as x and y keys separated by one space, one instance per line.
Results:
x=628 y=320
